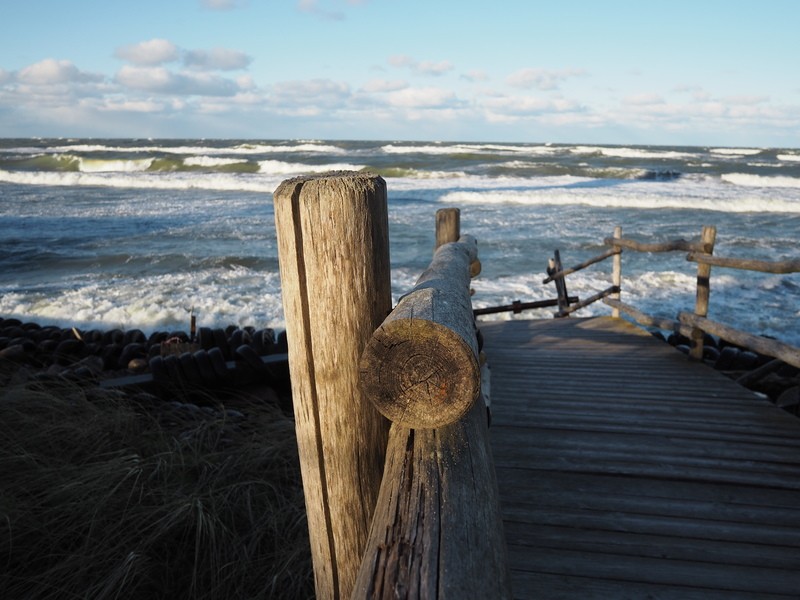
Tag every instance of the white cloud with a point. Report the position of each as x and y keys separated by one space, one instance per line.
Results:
x=377 y=86
x=151 y=52
x=52 y=72
x=475 y=75
x=425 y=67
x=434 y=68
x=510 y=107
x=541 y=79
x=289 y=95
x=644 y=99
x=162 y=81
x=430 y=97
x=401 y=60
x=221 y=59
x=135 y=106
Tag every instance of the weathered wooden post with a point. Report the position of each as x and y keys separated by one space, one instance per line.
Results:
x=333 y=247
x=448 y=225
x=708 y=238
x=554 y=266
x=616 y=273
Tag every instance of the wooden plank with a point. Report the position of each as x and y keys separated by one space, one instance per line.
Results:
x=547 y=585
x=627 y=471
x=659 y=571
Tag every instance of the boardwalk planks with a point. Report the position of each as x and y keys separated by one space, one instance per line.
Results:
x=627 y=471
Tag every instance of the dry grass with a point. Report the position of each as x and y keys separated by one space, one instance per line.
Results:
x=100 y=500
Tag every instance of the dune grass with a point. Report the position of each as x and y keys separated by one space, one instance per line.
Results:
x=99 y=499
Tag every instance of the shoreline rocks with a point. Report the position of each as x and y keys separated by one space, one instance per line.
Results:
x=29 y=350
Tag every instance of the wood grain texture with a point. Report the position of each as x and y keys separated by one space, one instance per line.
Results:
x=626 y=470
x=437 y=532
x=762 y=345
x=765 y=266
x=420 y=368
x=334 y=259
x=448 y=226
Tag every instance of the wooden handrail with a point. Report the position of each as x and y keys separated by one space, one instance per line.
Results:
x=781 y=267
x=437 y=530
x=648 y=320
x=788 y=354
x=590 y=300
x=671 y=246
x=583 y=265
x=693 y=325
x=420 y=368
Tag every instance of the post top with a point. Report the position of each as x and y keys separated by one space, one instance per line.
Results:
x=355 y=178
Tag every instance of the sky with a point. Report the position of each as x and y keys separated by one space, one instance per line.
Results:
x=697 y=72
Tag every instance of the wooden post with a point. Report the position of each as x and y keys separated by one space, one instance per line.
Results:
x=555 y=266
x=616 y=274
x=438 y=531
x=703 y=290
x=333 y=245
x=448 y=225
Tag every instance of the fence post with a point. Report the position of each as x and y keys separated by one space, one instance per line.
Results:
x=616 y=273
x=448 y=225
x=708 y=238
x=333 y=245
x=555 y=266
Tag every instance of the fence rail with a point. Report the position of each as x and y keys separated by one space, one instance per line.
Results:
x=692 y=325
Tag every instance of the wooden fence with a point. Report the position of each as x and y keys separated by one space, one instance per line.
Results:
x=693 y=325
x=398 y=475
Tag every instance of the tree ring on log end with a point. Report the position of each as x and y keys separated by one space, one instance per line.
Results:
x=419 y=374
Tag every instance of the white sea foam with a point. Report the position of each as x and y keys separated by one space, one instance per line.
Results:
x=211 y=161
x=748 y=180
x=629 y=199
x=160 y=181
x=277 y=167
x=737 y=151
x=789 y=157
x=632 y=152
x=158 y=302
x=245 y=148
x=94 y=165
x=462 y=149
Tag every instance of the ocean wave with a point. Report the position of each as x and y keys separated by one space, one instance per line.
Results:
x=789 y=157
x=158 y=302
x=454 y=149
x=621 y=152
x=211 y=161
x=159 y=181
x=97 y=165
x=766 y=181
x=188 y=150
x=561 y=197
x=737 y=151
x=277 y=167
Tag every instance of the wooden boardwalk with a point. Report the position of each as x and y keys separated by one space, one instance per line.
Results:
x=626 y=471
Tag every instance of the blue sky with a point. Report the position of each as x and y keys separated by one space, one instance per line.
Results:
x=698 y=72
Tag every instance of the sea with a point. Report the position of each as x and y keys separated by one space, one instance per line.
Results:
x=145 y=233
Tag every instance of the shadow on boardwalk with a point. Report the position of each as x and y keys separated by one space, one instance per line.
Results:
x=627 y=471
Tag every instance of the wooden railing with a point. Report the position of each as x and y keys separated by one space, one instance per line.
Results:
x=437 y=530
x=398 y=475
x=692 y=325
